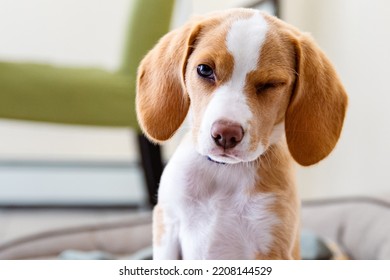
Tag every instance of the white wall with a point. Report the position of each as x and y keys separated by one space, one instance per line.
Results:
x=205 y=6
x=355 y=34
x=72 y=32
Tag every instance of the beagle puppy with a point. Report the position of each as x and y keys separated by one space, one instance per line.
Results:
x=260 y=95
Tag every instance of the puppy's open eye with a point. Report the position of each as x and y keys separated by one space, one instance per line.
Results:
x=206 y=71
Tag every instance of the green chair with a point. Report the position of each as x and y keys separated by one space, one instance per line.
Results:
x=89 y=96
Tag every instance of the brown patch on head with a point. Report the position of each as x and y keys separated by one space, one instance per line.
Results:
x=158 y=225
x=269 y=87
x=297 y=84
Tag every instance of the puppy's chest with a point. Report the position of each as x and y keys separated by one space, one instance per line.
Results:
x=222 y=219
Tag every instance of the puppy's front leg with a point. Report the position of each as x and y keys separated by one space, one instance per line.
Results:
x=166 y=244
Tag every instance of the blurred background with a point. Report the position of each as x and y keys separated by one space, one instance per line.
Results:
x=76 y=169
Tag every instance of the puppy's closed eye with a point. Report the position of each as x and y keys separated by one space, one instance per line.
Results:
x=264 y=87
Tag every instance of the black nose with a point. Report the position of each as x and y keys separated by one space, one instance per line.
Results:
x=227 y=134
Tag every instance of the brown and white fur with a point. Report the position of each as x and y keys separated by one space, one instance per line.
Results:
x=271 y=97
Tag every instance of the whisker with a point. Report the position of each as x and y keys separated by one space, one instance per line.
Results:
x=274 y=154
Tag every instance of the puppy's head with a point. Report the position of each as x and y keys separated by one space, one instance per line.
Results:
x=247 y=79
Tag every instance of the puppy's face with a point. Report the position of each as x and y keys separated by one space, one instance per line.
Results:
x=247 y=79
x=239 y=79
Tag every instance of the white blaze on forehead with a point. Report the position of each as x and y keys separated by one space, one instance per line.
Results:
x=244 y=41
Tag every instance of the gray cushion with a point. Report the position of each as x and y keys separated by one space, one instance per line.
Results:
x=361 y=226
x=115 y=234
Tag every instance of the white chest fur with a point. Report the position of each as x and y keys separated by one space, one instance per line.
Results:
x=213 y=207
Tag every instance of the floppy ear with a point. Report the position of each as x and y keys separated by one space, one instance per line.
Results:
x=162 y=102
x=317 y=107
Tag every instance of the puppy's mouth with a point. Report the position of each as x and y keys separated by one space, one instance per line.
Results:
x=233 y=156
x=224 y=158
